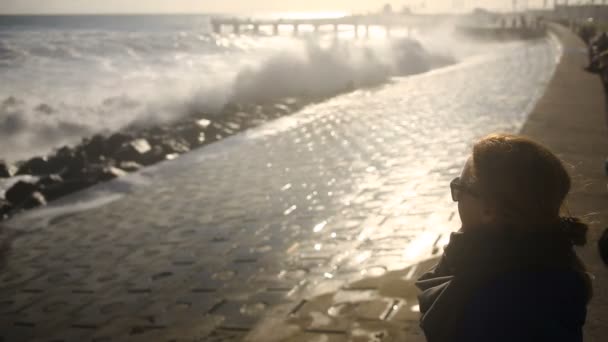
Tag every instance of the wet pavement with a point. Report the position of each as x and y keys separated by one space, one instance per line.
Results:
x=204 y=247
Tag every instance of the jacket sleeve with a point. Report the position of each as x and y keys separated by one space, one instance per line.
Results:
x=438 y=270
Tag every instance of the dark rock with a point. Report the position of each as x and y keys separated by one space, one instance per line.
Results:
x=172 y=146
x=36 y=199
x=116 y=141
x=67 y=187
x=105 y=173
x=65 y=153
x=36 y=166
x=192 y=134
x=155 y=155
x=5 y=209
x=214 y=132
x=60 y=161
x=155 y=140
x=72 y=167
x=133 y=151
x=68 y=159
x=49 y=181
x=129 y=166
x=95 y=173
x=65 y=158
x=158 y=131
x=20 y=192
x=7 y=170
x=53 y=187
x=95 y=147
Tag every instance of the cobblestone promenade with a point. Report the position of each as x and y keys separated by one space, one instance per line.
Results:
x=203 y=247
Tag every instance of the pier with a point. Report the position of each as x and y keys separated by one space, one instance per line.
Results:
x=496 y=26
x=361 y=25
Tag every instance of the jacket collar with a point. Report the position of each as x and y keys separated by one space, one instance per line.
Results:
x=506 y=247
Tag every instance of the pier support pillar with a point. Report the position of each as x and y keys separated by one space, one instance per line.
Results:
x=367 y=31
x=236 y=28
x=275 y=29
x=388 y=30
x=296 y=29
x=317 y=27
x=356 y=31
x=336 y=29
x=256 y=28
x=217 y=28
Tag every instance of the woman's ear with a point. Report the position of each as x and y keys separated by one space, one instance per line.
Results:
x=489 y=213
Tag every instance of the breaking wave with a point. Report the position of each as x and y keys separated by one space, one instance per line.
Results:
x=62 y=86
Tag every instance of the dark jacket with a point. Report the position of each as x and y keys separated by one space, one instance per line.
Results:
x=493 y=284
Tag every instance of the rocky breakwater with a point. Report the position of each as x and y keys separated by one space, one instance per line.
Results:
x=100 y=158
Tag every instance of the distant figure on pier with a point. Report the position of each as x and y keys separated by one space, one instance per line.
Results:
x=510 y=273
x=522 y=21
x=502 y=22
x=597 y=47
x=587 y=30
x=538 y=22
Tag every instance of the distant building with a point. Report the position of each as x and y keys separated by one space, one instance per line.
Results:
x=406 y=10
x=387 y=9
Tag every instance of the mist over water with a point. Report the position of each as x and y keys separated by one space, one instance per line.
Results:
x=67 y=79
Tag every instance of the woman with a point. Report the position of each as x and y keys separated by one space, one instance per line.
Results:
x=510 y=273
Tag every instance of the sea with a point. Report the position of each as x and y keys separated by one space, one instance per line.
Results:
x=64 y=78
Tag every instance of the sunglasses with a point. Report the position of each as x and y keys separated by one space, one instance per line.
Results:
x=457 y=188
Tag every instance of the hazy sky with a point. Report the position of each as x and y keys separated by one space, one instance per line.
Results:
x=236 y=6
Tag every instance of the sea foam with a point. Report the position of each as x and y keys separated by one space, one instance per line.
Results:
x=61 y=86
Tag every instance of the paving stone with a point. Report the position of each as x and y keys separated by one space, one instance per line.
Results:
x=406 y=312
x=12 y=277
x=51 y=308
x=108 y=307
x=14 y=330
